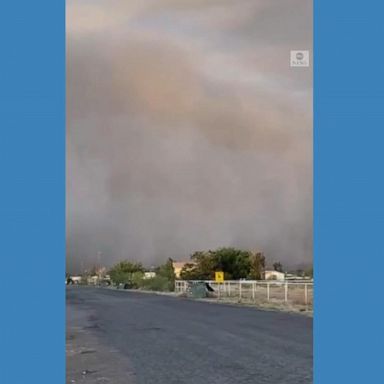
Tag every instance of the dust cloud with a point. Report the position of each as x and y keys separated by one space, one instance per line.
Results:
x=187 y=129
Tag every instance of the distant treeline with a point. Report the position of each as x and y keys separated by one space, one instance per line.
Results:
x=235 y=263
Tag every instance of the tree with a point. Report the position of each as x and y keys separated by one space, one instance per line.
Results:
x=190 y=272
x=167 y=272
x=277 y=266
x=126 y=271
x=205 y=264
x=202 y=268
x=257 y=267
x=235 y=263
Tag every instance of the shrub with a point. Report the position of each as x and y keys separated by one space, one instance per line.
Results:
x=157 y=283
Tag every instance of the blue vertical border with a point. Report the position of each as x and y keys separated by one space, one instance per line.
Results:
x=32 y=193
x=348 y=185
x=348 y=191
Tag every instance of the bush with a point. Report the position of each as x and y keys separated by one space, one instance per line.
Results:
x=126 y=271
x=167 y=273
x=131 y=276
x=157 y=283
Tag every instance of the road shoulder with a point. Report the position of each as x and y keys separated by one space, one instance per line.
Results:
x=88 y=359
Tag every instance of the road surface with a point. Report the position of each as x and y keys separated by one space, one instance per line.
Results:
x=137 y=338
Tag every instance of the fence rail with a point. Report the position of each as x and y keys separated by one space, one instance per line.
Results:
x=257 y=290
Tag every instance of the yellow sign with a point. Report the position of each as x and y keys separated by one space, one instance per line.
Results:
x=219 y=277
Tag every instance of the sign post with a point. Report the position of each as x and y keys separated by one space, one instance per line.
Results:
x=219 y=278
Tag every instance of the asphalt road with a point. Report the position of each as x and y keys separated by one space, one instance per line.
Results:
x=137 y=338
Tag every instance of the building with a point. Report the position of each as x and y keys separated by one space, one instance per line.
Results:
x=76 y=279
x=274 y=275
x=93 y=280
x=149 y=275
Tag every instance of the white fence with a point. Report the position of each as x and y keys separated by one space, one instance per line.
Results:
x=257 y=290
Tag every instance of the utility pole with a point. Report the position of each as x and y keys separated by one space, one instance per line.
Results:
x=98 y=266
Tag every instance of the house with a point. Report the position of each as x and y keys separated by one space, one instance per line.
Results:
x=76 y=279
x=149 y=275
x=93 y=280
x=292 y=276
x=274 y=275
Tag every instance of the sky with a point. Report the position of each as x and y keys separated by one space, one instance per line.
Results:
x=187 y=130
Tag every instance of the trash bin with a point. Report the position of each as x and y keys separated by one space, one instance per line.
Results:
x=199 y=290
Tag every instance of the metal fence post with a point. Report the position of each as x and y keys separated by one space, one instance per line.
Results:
x=253 y=290
x=239 y=289
x=286 y=292
x=268 y=291
x=306 y=294
x=229 y=288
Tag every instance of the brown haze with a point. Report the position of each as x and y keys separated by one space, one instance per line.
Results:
x=187 y=129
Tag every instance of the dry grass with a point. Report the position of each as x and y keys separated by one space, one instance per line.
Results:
x=272 y=304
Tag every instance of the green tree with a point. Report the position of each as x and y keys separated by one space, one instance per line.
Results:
x=126 y=271
x=257 y=261
x=190 y=271
x=205 y=265
x=167 y=272
x=235 y=263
